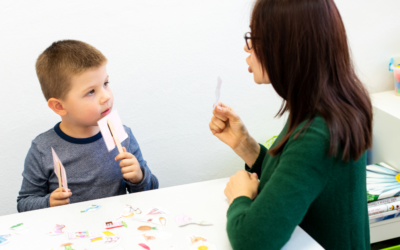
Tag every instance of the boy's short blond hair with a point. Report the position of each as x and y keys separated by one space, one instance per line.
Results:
x=61 y=61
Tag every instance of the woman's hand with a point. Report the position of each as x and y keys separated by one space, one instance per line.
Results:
x=229 y=128
x=242 y=184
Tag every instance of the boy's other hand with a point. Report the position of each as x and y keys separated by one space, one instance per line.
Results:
x=59 y=197
x=130 y=167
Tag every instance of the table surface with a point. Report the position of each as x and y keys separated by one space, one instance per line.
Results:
x=202 y=201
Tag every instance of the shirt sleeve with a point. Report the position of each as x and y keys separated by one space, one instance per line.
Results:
x=149 y=181
x=34 y=193
x=300 y=177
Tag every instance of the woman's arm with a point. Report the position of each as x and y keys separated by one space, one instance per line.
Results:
x=300 y=177
x=229 y=128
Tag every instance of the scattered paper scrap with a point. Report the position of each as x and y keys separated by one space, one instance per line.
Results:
x=67 y=246
x=144 y=246
x=118 y=127
x=92 y=208
x=4 y=239
x=217 y=91
x=129 y=211
x=79 y=235
x=108 y=233
x=20 y=228
x=112 y=241
x=158 y=220
x=196 y=238
x=183 y=220
x=115 y=224
x=96 y=237
x=146 y=228
x=157 y=211
x=148 y=237
x=57 y=231
x=203 y=246
x=59 y=170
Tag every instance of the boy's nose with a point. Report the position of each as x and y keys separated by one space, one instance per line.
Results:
x=105 y=97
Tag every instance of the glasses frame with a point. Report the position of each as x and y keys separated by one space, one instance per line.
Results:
x=247 y=36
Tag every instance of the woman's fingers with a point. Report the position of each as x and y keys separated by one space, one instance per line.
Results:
x=220 y=124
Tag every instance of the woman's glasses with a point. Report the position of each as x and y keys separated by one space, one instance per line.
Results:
x=247 y=38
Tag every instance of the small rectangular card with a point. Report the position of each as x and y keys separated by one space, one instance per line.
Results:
x=57 y=164
x=105 y=130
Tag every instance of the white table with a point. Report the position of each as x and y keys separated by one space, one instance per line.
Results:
x=204 y=200
x=200 y=201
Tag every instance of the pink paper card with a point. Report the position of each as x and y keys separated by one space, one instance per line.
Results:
x=63 y=177
x=105 y=130
x=217 y=91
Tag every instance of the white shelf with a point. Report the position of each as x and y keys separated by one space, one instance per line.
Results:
x=386 y=141
x=387 y=102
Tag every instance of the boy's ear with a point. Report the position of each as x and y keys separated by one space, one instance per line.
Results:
x=56 y=105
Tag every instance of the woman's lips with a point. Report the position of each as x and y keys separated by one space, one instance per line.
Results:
x=250 y=70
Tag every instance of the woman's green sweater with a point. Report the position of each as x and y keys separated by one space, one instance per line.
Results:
x=303 y=186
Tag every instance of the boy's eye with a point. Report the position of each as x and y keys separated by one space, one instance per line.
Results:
x=105 y=84
x=91 y=92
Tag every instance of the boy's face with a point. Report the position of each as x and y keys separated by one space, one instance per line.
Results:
x=89 y=99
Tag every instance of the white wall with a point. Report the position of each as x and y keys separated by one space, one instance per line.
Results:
x=164 y=58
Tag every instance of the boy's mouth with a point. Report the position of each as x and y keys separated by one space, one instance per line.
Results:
x=106 y=112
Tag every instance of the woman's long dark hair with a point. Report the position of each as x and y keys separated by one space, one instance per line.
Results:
x=302 y=45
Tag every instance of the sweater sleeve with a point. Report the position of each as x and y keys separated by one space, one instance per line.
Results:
x=149 y=181
x=34 y=193
x=256 y=168
x=301 y=175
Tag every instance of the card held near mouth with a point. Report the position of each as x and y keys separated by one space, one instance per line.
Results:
x=59 y=169
x=118 y=127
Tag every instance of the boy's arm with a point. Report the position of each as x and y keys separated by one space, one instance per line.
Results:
x=149 y=181
x=34 y=193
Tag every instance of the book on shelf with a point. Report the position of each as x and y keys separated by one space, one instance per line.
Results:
x=384 y=216
x=383 y=182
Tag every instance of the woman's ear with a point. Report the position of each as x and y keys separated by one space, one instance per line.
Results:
x=57 y=106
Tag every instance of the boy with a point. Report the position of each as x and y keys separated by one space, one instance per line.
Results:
x=74 y=81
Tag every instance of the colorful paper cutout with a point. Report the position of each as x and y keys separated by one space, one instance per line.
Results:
x=144 y=246
x=115 y=224
x=157 y=211
x=67 y=246
x=57 y=164
x=20 y=228
x=112 y=241
x=183 y=220
x=146 y=228
x=108 y=233
x=92 y=208
x=196 y=238
x=203 y=246
x=217 y=91
x=158 y=220
x=96 y=238
x=79 y=235
x=105 y=130
x=148 y=237
x=57 y=231
x=4 y=239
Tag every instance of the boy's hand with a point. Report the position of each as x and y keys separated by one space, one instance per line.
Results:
x=59 y=197
x=130 y=167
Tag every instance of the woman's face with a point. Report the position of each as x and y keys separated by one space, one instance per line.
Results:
x=255 y=67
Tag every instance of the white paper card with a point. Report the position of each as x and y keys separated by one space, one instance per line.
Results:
x=105 y=131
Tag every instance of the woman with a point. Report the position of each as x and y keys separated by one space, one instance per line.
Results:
x=314 y=174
